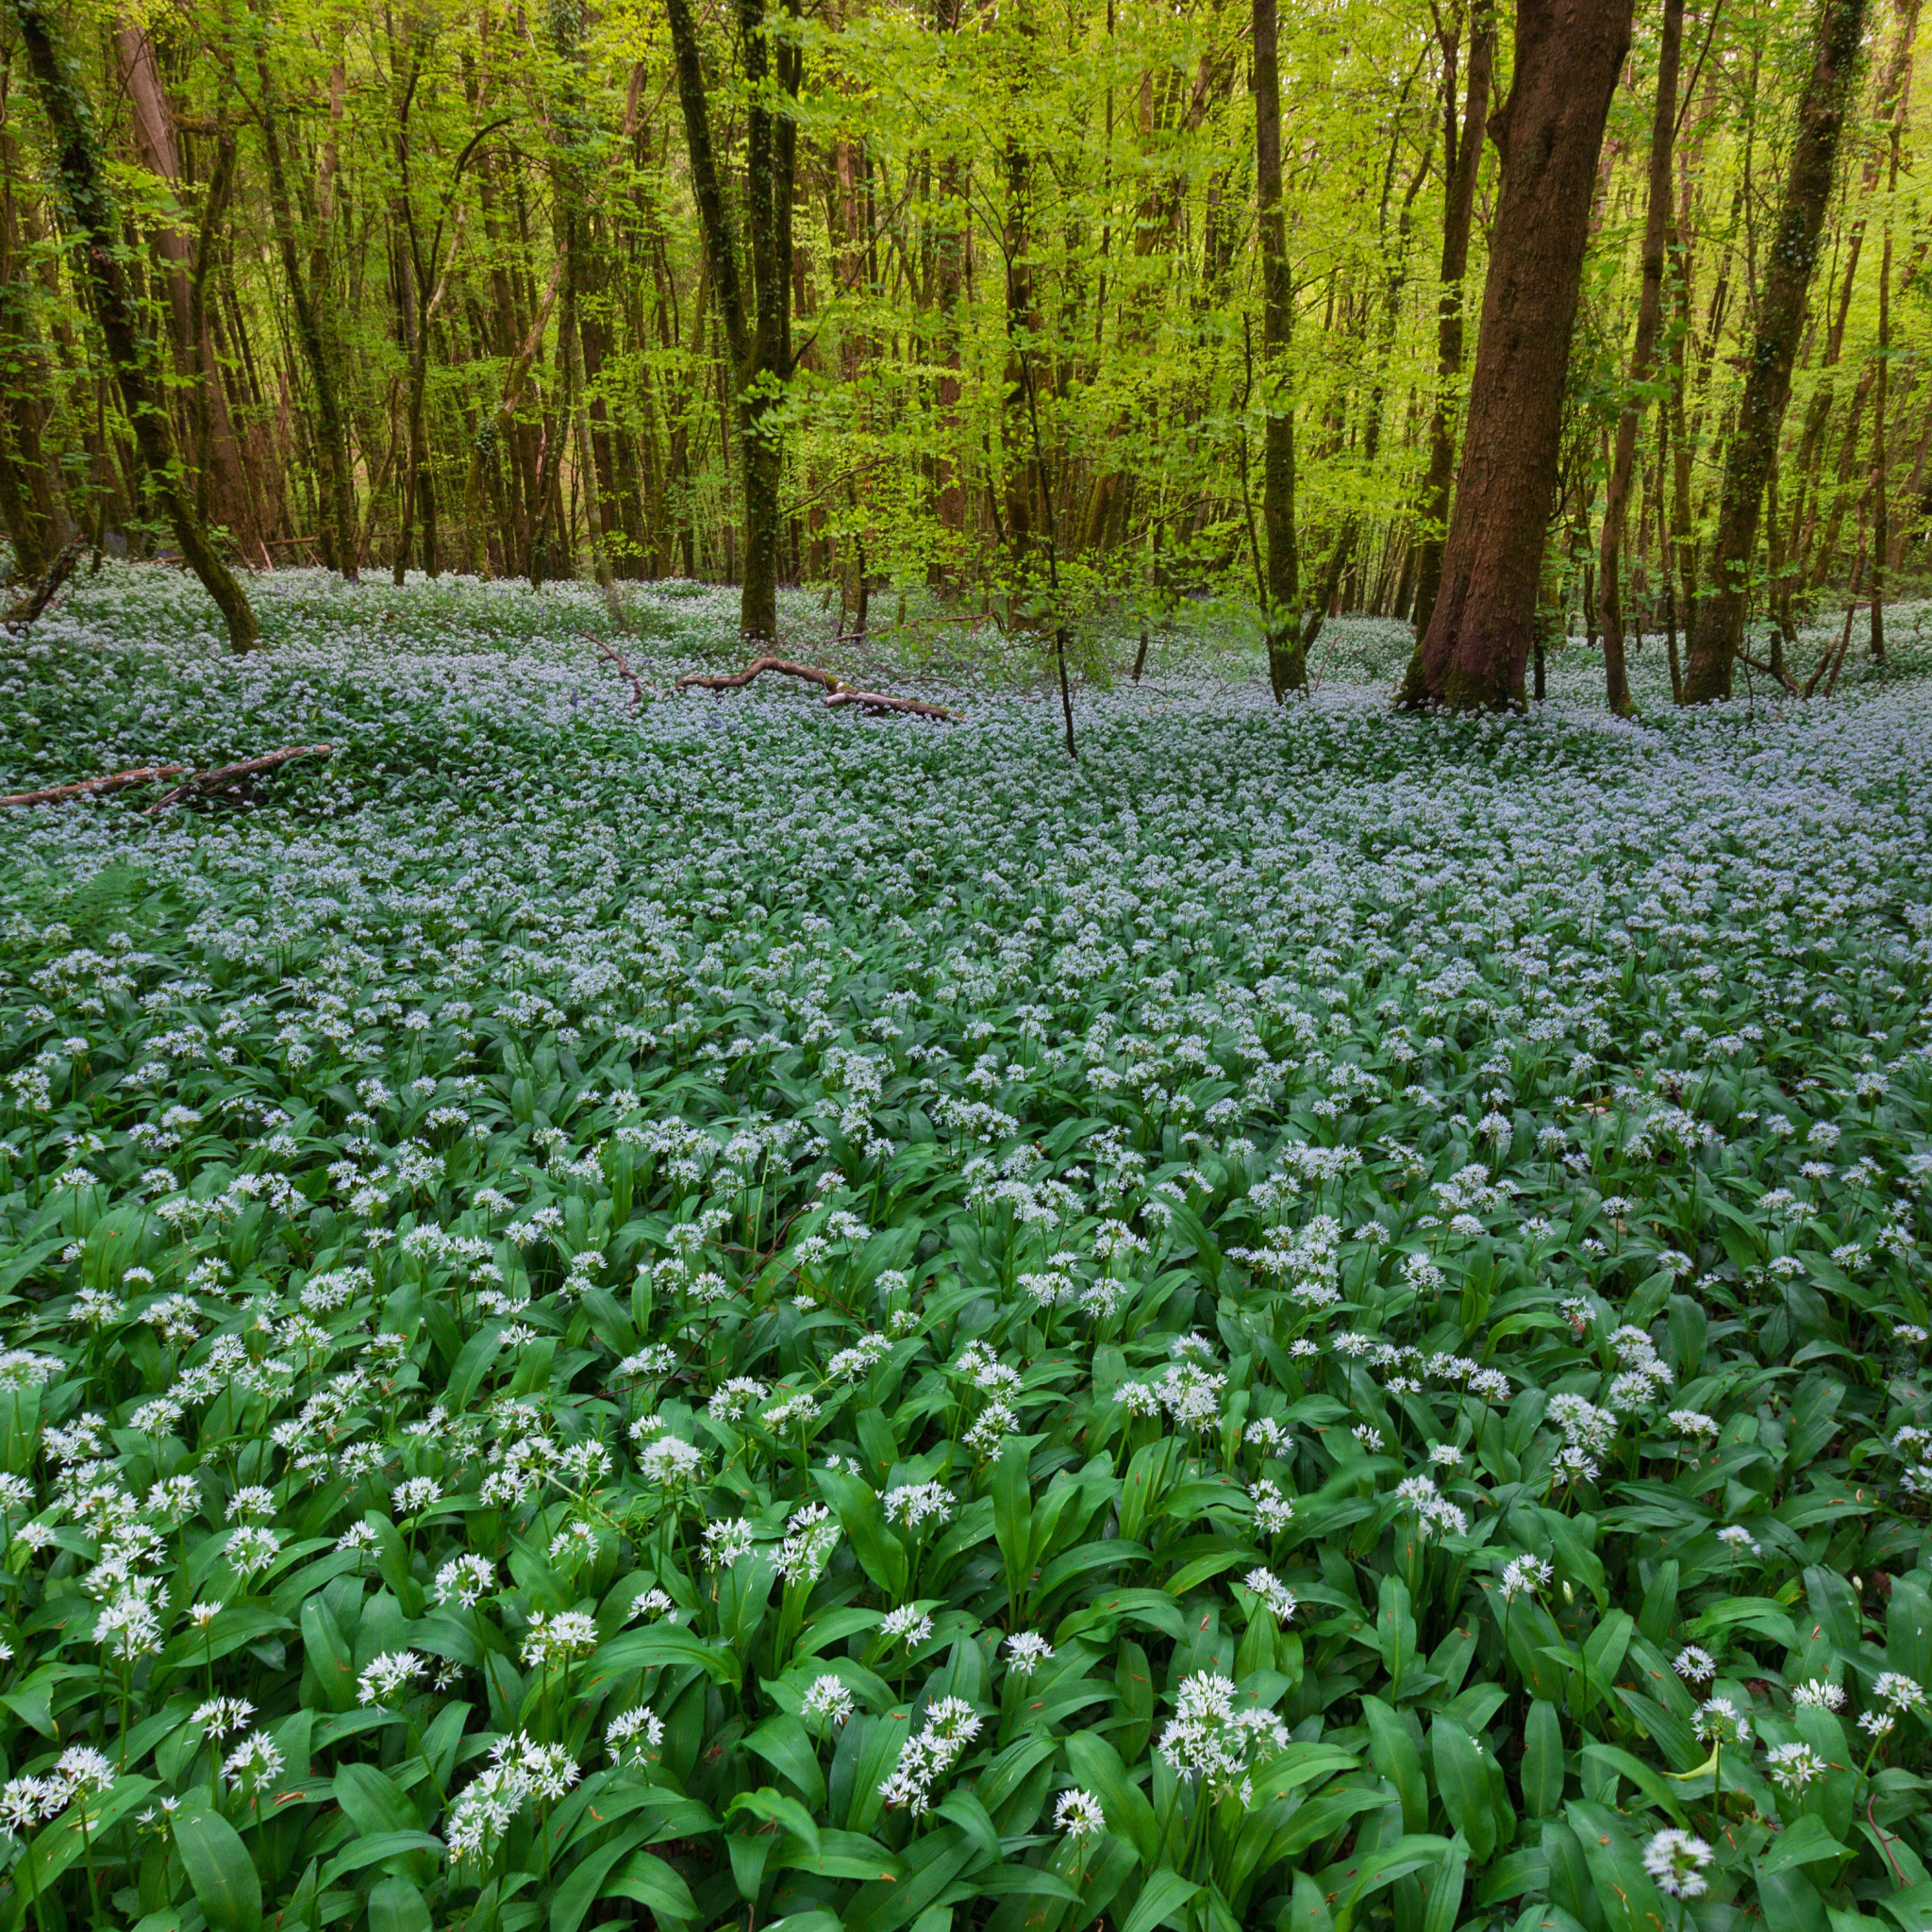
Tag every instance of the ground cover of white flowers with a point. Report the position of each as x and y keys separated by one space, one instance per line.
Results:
x=734 y=1314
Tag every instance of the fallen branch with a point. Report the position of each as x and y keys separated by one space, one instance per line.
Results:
x=757 y=667
x=30 y=607
x=88 y=788
x=878 y=701
x=1784 y=677
x=837 y=691
x=611 y=655
x=223 y=775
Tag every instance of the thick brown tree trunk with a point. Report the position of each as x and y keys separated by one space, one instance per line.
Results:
x=1650 y=307
x=221 y=488
x=1462 y=163
x=1549 y=132
x=95 y=222
x=1287 y=661
x=1718 y=632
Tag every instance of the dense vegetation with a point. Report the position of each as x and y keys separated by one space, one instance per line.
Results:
x=1056 y=310
x=738 y=1313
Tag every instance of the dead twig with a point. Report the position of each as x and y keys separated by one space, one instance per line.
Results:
x=611 y=655
x=88 y=788
x=224 y=776
x=30 y=608
x=837 y=691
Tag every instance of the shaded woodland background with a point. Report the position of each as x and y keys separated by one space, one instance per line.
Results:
x=433 y=288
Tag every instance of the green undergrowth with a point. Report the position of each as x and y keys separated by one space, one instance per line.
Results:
x=727 y=1313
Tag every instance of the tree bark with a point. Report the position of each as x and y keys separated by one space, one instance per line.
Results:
x=1881 y=516
x=1287 y=661
x=1462 y=156
x=1718 y=631
x=339 y=506
x=94 y=220
x=1650 y=307
x=754 y=334
x=1549 y=132
x=27 y=504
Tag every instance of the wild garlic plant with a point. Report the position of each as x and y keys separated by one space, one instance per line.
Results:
x=748 y=1315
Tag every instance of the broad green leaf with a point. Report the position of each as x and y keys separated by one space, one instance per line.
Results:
x=219 y=1869
x=1163 y=1896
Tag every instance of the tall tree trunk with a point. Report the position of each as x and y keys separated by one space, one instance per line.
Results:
x=27 y=504
x=1329 y=584
x=215 y=457
x=570 y=179
x=1809 y=461
x=1287 y=661
x=94 y=221
x=1462 y=163
x=408 y=273
x=339 y=506
x=755 y=336
x=1650 y=307
x=1881 y=513
x=1717 y=628
x=1549 y=132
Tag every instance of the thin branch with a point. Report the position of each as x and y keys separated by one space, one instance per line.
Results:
x=611 y=655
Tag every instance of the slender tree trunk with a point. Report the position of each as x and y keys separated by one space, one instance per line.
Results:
x=331 y=430
x=1809 y=460
x=26 y=498
x=755 y=336
x=1462 y=163
x=1718 y=627
x=408 y=273
x=1550 y=132
x=94 y=221
x=570 y=176
x=1329 y=585
x=1287 y=661
x=1881 y=512
x=1642 y=359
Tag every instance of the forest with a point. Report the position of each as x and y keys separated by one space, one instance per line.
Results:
x=1064 y=317
x=964 y=967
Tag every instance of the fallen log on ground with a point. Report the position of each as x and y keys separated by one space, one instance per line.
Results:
x=837 y=691
x=224 y=776
x=191 y=780
x=88 y=788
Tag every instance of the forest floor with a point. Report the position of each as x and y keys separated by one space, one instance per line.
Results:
x=508 y=1200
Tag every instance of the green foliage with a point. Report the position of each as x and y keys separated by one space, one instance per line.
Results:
x=751 y=1316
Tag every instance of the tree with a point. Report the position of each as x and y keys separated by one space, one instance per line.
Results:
x=93 y=218
x=1650 y=308
x=1462 y=156
x=757 y=332
x=1549 y=133
x=1718 y=631
x=337 y=506
x=1288 y=660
